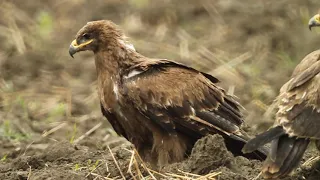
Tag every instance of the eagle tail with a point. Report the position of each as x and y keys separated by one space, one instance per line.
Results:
x=235 y=137
x=263 y=139
x=286 y=153
x=236 y=142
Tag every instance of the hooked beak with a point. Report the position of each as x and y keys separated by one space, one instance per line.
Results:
x=314 y=21
x=75 y=47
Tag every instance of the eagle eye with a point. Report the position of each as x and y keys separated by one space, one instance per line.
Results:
x=86 y=36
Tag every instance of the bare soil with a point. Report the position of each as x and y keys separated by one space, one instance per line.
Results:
x=63 y=160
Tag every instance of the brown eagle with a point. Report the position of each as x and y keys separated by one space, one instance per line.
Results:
x=160 y=106
x=297 y=120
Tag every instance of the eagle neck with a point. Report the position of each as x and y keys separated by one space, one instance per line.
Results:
x=114 y=61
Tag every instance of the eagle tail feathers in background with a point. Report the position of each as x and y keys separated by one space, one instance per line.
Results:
x=285 y=155
x=263 y=139
x=236 y=142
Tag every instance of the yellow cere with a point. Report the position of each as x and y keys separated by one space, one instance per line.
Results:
x=75 y=44
x=317 y=18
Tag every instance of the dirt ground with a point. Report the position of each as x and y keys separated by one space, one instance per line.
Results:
x=51 y=126
x=209 y=159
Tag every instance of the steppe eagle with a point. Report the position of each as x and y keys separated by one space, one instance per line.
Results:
x=160 y=106
x=297 y=119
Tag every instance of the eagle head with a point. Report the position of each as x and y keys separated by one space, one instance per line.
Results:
x=94 y=36
x=314 y=21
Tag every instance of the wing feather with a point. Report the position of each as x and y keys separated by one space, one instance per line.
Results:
x=114 y=122
x=168 y=93
x=299 y=99
x=305 y=76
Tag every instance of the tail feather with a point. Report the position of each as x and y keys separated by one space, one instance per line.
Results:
x=236 y=138
x=236 y=142
x=274 y=148
x=295 y=157
x=285 y=146
x=263 y=139
x=287 y=156
x=279 y=155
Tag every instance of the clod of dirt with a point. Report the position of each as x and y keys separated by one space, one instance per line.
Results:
x=211 y=155
x=208 y=154
x=58 y=151
x=245 y=167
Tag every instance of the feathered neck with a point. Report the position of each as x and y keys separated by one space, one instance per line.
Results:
x=113 y=60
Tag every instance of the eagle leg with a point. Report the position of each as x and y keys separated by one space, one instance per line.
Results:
x=168 y=148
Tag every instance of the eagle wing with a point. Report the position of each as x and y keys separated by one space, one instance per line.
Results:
x=308 y=68
x=179 y=98
x=113 y=121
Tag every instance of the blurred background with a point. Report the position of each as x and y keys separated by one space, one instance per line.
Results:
x=252 y=46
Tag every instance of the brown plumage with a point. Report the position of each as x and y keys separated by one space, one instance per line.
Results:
x=297 y=120
x=161 y=106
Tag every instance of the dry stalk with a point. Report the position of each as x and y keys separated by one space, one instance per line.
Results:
x=29 y=174
x=255 y=178
x=190 y=174
x=87 y=133
x=143 y=164
x=130 y=165
x=210 y=175
x=54 y=129
x=116 y=163
x=310 y=160
x=93 y=170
